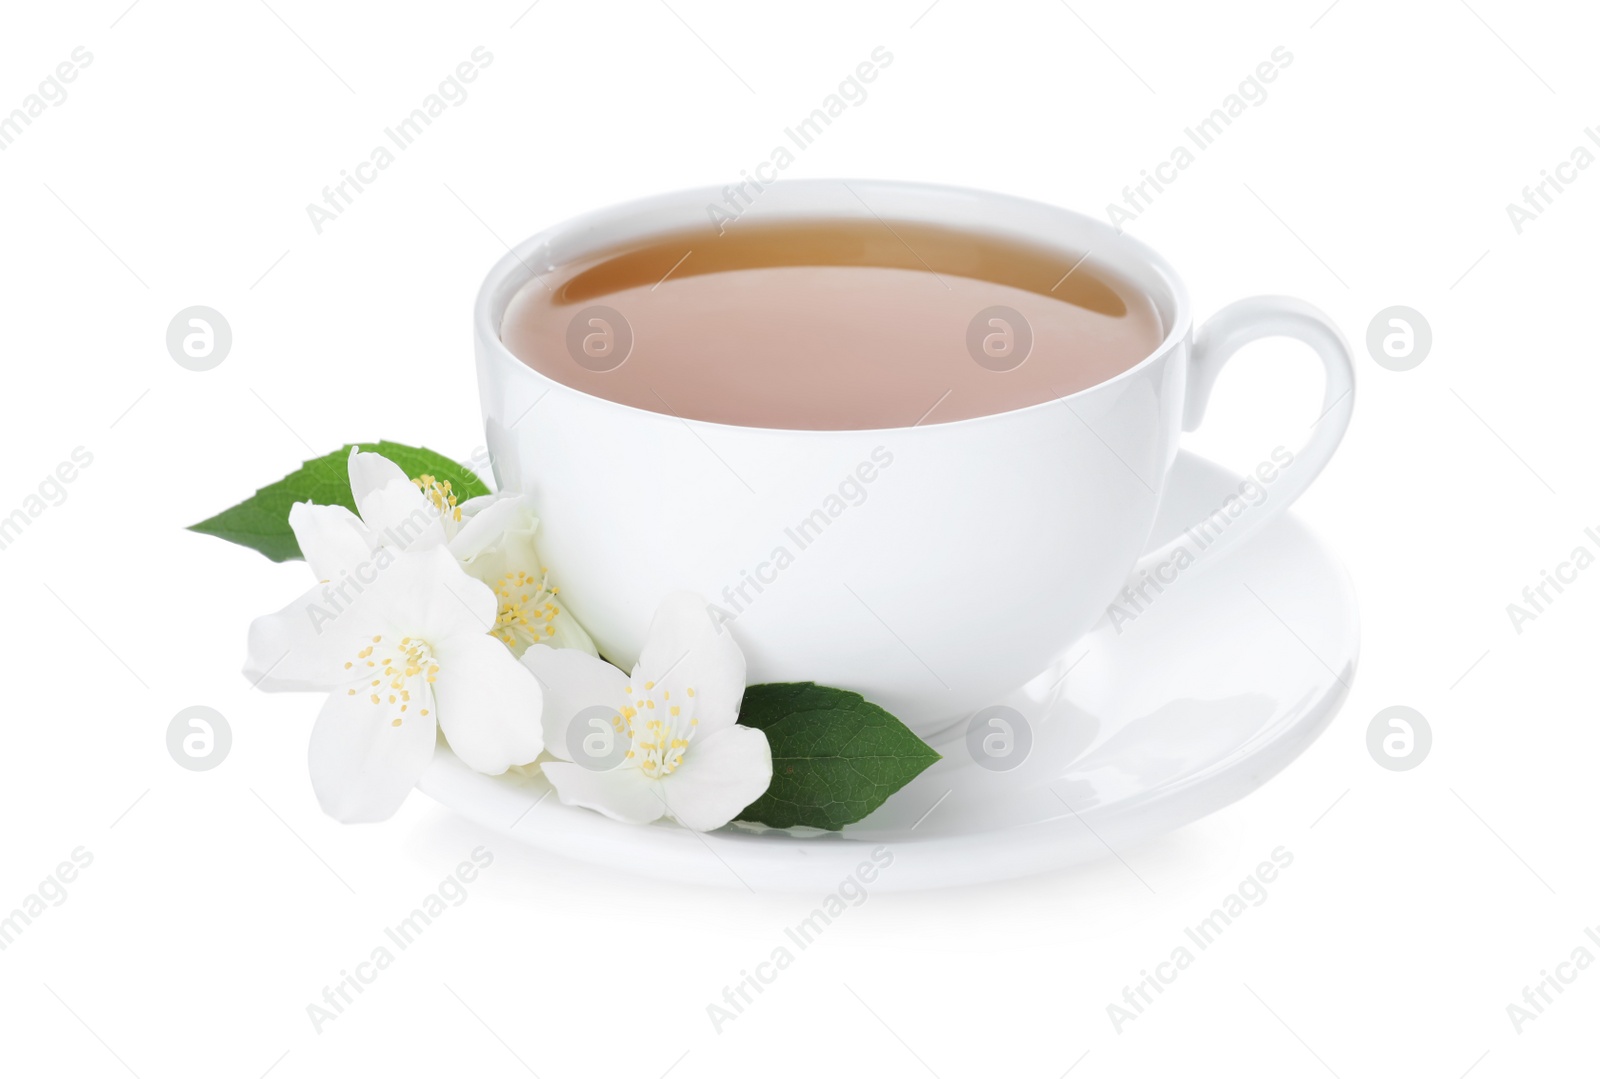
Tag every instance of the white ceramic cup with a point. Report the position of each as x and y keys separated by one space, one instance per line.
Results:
x=931 y=568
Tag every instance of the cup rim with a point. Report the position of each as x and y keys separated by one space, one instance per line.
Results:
x=1114 y=245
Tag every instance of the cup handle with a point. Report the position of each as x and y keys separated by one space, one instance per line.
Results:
x=1224 y=334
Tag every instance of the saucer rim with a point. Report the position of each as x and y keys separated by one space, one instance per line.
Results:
x=657 y=850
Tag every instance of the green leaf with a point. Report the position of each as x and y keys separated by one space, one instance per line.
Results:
x=261 y=521
x=835 y=757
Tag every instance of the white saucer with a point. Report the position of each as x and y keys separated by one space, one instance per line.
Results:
x=1226 y=677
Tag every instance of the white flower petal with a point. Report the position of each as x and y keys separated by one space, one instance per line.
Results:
x=305 y=645
x=573 y=681
x=486 y=519
x=362 y=766
x=623 y=794
x=488 y=703
x=686 y=649
x=440 y=599
x=400 y=516
x=568 y=634
x=721 y=774
x=371 y=472
x=332 y=540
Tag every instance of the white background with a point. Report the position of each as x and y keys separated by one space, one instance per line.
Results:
x=221 y=903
